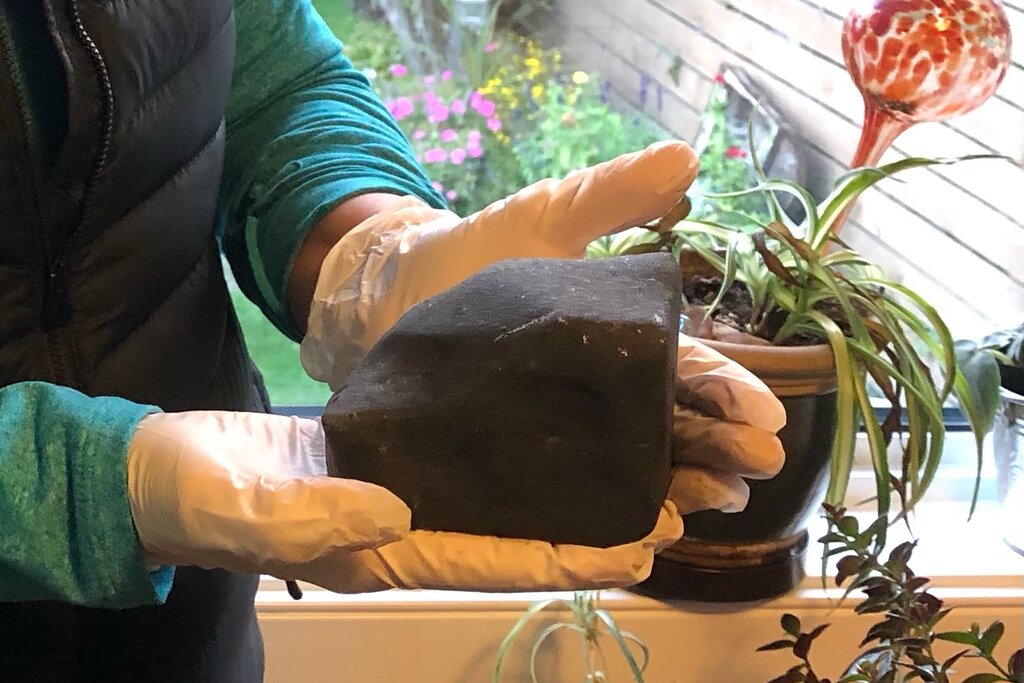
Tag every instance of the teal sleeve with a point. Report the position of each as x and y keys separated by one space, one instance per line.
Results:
x=67 y=530
x=304 y=132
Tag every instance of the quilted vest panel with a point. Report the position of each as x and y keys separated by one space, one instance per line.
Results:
x=110 y=275
x=111 y=283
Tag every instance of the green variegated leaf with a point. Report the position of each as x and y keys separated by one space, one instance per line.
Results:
x=850 y=185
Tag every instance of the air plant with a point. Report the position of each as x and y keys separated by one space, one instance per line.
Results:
x=590 y=621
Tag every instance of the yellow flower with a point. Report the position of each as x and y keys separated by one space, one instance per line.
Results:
x=580 y=77
x=532 y=62
x=537 y=91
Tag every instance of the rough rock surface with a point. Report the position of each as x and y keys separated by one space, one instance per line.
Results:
x=531 y=401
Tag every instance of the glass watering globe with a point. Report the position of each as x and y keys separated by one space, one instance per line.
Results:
x=921 y=60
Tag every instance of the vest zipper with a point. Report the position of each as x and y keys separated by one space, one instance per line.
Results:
x=30 y=181
x=56 y=311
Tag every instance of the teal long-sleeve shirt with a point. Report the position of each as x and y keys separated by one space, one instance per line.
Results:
x=304 y=132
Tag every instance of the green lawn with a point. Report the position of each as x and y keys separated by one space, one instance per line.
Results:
x=277 y=357
x=337 y=14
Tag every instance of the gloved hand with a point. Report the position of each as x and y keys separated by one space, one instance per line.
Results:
x=411 y=252
x=446 y=560
x=725 y=427
x=246 y=492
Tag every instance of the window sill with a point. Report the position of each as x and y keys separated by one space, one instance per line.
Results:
x=436 y=636
x=451 y=636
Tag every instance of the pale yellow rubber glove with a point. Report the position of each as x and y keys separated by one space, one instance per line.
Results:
x=411 y=252
x=445 y=560
x=247 y=492
x=726 y=421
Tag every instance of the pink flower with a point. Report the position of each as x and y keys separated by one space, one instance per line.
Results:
x=485 y=107
x=490 y=47
x=448 y=134
x=458 y=107
x=401 y=108
x=435 y=155
x=494 y=124
x=475 y=151
x=446 y=75
x=438 y=113
x=430 y=97
x=451 y=195
x=398 y=69
x=428 y=80
x=474 y=136
x=437 y=186
x=457 y=156
x=475 y=99
x=734 y=152
x=720 y=79
x=419 y=134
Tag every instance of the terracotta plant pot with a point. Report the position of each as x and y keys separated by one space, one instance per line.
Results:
x=760 y=552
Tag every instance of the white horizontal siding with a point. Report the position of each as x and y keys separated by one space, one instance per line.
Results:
x=954 y=233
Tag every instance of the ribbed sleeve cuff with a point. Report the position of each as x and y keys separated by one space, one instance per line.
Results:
x=105 y=548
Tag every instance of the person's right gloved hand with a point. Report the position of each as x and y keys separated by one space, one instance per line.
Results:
x=247 y=492
x=410 y=252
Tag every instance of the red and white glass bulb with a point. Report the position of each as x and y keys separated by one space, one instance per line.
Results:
x=921 y=60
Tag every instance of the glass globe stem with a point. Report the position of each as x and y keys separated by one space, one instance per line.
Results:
x=879 y=131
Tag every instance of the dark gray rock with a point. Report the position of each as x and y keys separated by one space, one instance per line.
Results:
x=533 y=400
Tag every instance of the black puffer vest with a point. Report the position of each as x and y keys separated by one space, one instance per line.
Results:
x=111 y=283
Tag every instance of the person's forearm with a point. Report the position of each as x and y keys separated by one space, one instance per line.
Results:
x=335 y=225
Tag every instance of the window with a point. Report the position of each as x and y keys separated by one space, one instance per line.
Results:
x=624 y=73
x=566 y=83
x=512 y=111
x=562 y=84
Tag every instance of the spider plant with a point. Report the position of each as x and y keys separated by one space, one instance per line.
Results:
x=805 y=285
x=591 y=622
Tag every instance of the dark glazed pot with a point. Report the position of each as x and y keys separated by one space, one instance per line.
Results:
x=760 y=552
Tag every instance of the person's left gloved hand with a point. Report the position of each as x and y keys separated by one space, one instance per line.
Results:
x=725 y=428
x=453 y=561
